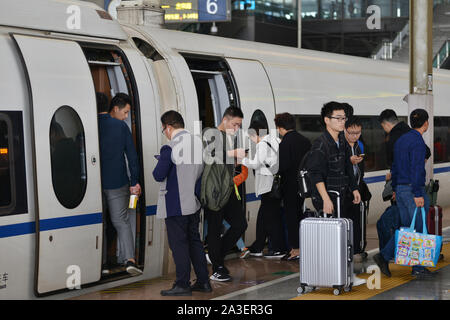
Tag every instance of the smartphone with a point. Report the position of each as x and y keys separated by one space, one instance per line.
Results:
x=362 y=155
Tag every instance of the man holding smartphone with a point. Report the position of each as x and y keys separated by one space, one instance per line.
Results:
x=353 y=129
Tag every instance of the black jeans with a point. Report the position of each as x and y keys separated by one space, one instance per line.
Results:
x=186 y=245
x=293 y=208
x=269 y=224
x=353 y=211
x=219 y=246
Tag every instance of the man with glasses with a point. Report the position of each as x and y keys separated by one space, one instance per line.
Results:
x=330 y=167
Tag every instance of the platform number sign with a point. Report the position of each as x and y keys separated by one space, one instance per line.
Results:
x=212 y=10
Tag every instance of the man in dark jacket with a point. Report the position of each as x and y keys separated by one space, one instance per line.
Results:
x=395 y=129
x=329 y=164
x=293 y=148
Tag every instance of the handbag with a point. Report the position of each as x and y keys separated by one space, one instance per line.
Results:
x=417 y=249
x=275 y=192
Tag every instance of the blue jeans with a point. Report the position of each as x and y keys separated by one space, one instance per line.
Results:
x=406 y=207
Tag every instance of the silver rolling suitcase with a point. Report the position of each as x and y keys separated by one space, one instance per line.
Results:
x=326 y=253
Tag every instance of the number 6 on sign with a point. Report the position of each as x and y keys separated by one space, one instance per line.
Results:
x=211 y=6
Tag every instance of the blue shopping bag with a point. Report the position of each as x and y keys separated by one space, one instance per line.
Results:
x=417 y=249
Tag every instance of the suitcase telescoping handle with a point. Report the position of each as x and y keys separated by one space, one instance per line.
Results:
x=338 y=202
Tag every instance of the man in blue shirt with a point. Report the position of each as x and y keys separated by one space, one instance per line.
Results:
x=408 y=182
x=116 y=142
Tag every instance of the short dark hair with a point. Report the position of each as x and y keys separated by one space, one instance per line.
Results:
x=285 y=121
x=388 y=115
x=348 y=109
x=329 y=107
x=233 y=112
x=120 y=100
x=172 y=118
x=418 y=118
x=259 y=127
x=353 y=121
x=102 y=102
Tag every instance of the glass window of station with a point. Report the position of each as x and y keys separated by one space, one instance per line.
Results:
x=326 y=9
x=372 y=134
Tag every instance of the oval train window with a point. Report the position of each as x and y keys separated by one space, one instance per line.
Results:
x=258 y=116
x=68 y=157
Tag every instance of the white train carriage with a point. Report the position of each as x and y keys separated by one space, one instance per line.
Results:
x=51 y=223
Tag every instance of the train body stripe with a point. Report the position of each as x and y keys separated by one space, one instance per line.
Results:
x=20 y=229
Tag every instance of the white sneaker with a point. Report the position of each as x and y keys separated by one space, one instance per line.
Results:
x=358 y=281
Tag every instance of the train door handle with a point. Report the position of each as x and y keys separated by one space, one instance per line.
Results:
x=93 y=160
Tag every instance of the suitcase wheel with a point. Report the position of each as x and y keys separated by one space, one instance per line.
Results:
x=348 y=289
x=337 y=292
x=301 y=289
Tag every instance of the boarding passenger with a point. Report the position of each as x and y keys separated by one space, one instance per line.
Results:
x=330 y=167
x=293 y=148
x=116 y=142
x=394 y=129
x=353 y=129
x=268 y=223
x=231 y=209
x=179 y=205
x=408 y=182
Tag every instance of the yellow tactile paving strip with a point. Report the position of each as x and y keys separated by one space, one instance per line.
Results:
x=400 y=275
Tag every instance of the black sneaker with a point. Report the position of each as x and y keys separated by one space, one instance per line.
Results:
x=177 y=291
x=274 y=255
x=221 y=275
x=423 y=273
x=382 y=264
x=201 y=287
x=132 y=269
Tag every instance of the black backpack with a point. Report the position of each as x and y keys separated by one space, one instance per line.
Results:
x=303 y=178
x=305 y=187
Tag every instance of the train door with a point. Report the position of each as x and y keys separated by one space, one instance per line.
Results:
x=216 y=91
x=67 y=171
x=111 y=75
x=257 y=102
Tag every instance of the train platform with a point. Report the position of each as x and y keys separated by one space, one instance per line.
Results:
x=264 y=279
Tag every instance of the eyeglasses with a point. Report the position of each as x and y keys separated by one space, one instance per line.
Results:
x=354 y=133
x=164 y=129
x=339 y=118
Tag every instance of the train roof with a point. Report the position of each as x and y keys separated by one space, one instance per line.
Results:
x=276 y=54
x=53 y=16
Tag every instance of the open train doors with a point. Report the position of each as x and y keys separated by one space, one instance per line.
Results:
x=257 y=102
x=66 y=163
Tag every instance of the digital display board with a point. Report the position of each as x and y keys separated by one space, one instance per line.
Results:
x=177 y=11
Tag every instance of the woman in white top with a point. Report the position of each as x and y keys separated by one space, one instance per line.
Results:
x=265 y=164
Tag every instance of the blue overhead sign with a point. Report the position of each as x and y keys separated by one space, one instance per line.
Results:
x=212 y=10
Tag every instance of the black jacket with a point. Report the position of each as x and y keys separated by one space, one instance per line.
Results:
x=331 y=165
x=293 y=148
x=400 y=129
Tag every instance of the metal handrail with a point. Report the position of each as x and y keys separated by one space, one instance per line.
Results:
x=442 y=55
x=386 y=49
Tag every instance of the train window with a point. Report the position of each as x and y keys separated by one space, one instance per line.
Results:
x=441 y=139
x=13 y=191
x=68 y=157
x=147 y=50
x=5 y=163
x=259 y=116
